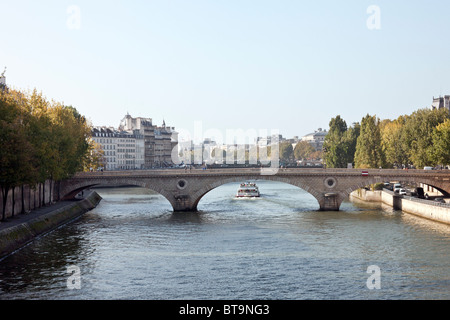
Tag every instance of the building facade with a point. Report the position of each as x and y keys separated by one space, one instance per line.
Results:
x=163 y=146
x=136 y=144
x=144 y=127
x=441 y=103
x=158 y=141
x=107 y=139
x=121 y=150
x=316 y=139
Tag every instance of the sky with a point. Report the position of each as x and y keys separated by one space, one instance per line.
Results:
x=221 y=65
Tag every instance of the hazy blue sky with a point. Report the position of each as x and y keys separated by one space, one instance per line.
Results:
x=286 y=65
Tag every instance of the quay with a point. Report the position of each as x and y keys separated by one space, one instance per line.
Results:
x=16 y=232
x=428 y=209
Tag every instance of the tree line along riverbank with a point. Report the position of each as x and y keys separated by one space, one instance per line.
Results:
x=410 y=141
x=43 y=142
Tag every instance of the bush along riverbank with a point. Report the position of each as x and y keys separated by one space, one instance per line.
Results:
x=24 y=228
x=427 y=209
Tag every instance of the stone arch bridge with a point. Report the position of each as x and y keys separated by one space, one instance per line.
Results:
x=184 y=189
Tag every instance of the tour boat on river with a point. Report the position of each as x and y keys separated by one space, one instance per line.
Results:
x=248 y=190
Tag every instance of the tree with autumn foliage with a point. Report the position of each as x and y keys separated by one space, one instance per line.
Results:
x=41 y=141
x=441 y=143
x=303 y=150
x=419 y=139
x=16 y=152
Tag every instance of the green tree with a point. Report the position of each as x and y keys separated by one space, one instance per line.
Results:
x=16 y=153
x=15 y=159
x=81 y=135
x=340 y=143
x=332 y=145
x=40 y=136
x=369 y=153
x=417 y=135
x=286 y=151
x=349 y=141
x=68 y=139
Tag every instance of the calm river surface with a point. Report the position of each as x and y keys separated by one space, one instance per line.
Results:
x=277 y=247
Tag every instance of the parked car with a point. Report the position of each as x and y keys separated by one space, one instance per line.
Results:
x=389 y=186
x=428 y=168
x=402 y=191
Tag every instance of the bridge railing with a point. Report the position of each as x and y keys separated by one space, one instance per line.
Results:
x=370 y=172
x=256 y=171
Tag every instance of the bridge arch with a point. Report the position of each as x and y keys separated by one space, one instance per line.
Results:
x=197 y=196
x=69 y=192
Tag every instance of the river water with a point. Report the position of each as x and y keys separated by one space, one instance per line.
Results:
x=276 y=247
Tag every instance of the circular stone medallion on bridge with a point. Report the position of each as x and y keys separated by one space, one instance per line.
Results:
x=181 y=184
x=330 y=182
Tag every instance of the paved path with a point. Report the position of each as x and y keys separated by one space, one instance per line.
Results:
x=22 y=218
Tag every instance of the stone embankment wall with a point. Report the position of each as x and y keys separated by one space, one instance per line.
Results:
x=33 y=198
x=18 y=235
x=426 y=209
x=419 y=207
